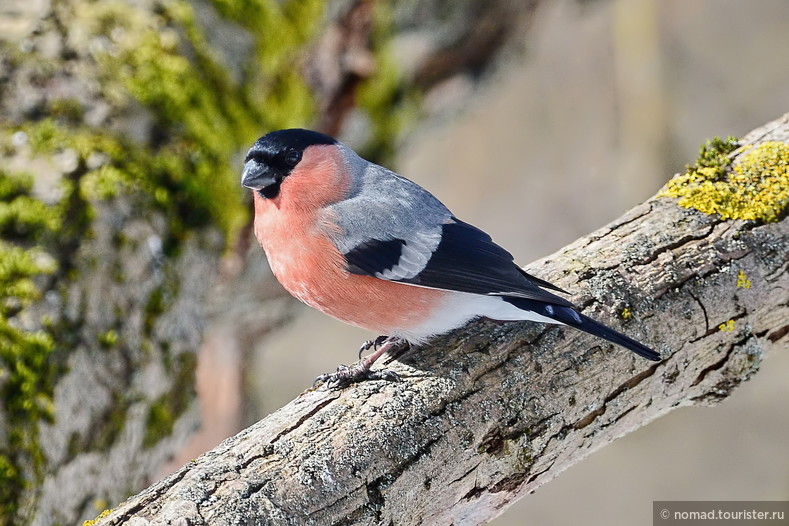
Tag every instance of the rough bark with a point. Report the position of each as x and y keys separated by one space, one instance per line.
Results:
x=489 y=413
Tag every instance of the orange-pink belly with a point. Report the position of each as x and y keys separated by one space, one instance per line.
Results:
x=311 y=268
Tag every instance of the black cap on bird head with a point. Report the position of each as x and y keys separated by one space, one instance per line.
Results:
x=274 y=155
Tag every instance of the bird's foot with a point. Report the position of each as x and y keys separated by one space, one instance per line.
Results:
x=346 y=375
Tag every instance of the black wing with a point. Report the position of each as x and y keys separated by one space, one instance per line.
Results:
x=466 y=260
x=374 y=256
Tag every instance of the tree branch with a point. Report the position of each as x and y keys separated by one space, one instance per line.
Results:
x=489 y=413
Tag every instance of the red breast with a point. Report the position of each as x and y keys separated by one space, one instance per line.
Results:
x=293 y=229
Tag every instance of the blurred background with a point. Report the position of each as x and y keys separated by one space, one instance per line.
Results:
x=538 y=121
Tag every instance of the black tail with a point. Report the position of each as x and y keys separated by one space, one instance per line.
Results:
x=575 y=319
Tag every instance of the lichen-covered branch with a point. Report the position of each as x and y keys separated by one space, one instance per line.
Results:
x=489 y=413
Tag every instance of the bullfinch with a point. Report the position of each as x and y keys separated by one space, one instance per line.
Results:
x=375 y=250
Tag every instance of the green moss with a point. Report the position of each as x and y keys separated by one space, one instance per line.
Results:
x=153 y=308
x=69 y=109
x=129 y=168
x=12 y=483
x=286 y=27
x=185 y=368
x=754 y=187
x=22 y=216
x=18 y=269
x=166 y=409
x=108 y=339
x=110 y=427
x=165 y=63
x=524 y=460
x=159 y=423
x=26 y=373
x=386 y=97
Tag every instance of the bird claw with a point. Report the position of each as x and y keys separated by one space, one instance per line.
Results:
x=369 y=344
x=346 y=375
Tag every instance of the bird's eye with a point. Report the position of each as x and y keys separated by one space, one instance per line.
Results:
x=293 y=157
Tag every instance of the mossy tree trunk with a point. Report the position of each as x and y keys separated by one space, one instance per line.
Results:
x=122 y=127
x=488 y=413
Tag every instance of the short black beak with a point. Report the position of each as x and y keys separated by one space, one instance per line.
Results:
x=257 y=176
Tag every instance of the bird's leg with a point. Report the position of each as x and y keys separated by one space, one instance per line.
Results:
x=369 y=344
x=346 y=375
x=398 y=352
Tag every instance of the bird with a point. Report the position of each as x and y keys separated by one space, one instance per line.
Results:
x=374 y=249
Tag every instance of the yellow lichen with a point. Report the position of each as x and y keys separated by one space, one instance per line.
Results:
x=626 y=314
x=727 y=326
x=754 y=187
x=742 y=281
x=91 y=522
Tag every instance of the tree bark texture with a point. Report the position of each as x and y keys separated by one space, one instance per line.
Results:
x=488 y=413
